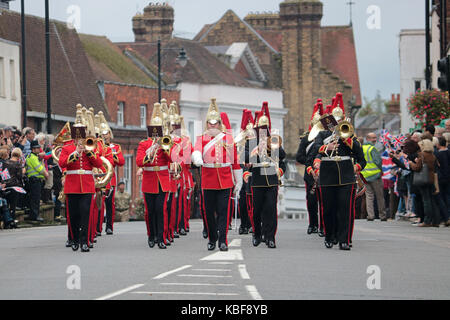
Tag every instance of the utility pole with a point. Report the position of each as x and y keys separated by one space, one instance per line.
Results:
x=24 y=68
x=47 y=54
x=427 y=45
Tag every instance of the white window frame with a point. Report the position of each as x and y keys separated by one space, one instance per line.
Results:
x=120 y=113
x=2 y=78
x=12 y=71
x=143 y=109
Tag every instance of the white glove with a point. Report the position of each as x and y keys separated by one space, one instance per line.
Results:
x=238 y=180
x=197 y=158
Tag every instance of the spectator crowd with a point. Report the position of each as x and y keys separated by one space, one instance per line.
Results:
x=408 y=177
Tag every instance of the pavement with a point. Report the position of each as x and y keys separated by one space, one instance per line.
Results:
x=389 y=261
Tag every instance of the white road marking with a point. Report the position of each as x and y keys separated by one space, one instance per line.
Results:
x=117 y=293
x=235 y=254
x=203 y=276
x=198 y=284
x=187 y=293
x=253 y=292
x=243 y=271
x=218 y=270
x=235 y=243
x=165 y=274
x=220 y=262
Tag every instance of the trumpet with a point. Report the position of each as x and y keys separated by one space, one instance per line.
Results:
x=166 y=143
x=274 y=141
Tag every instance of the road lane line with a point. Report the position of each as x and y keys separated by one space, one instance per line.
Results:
x=220 y=262
x=118 y=293
x=234 y=254
x=253 y=292
x=218 y=270
x=165 y=274
x=198 y=284
x=243 y=271
x=203 y=276
x=235 y=243
x=187 y=293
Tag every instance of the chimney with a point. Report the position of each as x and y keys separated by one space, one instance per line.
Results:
x=394 y=104
x=156 y=23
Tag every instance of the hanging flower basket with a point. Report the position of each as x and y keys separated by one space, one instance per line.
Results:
x=429 y=106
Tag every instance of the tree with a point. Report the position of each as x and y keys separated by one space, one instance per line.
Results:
x=376 y=106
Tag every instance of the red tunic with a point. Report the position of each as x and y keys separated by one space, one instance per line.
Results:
x=152 y=179
x=222 y=152
x=119 y=161
x=78 y=183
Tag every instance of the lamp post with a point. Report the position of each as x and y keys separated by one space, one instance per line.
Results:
x=24 y=68
x=181 y=60
x=47 y=55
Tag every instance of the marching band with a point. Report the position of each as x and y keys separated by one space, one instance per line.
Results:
x=242 y=173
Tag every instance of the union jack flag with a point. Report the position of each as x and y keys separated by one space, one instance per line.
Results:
x=386 y=138
x=5 y=174
x=398 y=141
x=18 y=189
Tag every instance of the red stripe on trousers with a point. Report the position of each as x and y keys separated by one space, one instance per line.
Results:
x=228 y=218
x=147 y=222
x=68 y=218
x=350 y=215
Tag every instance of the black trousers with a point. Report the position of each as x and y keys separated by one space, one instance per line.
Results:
x=78 y=215
x=12 y=198
x=110 y=209
x=338 y=209
x=243 y=210
x=312 y=205
x=154 y=218
x=35 y=196
x=265 y=216
x=217 y=202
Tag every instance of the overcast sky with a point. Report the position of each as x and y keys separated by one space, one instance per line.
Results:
x=377 y=46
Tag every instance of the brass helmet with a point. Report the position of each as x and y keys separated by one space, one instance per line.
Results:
x=97 y=125
x=338 y=110
x=157 y=116
x=213 y=115
x=264 y=117
x=104 y=126
x=174 y=116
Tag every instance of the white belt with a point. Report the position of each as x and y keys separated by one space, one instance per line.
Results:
x=336 y=158
x=79 y=172
x=216 y=165
x=263 y=165
x=155 y=168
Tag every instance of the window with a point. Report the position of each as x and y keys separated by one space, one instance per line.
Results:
x=191 y=131
x=417 y=85
x=143 y=115
x=12 y=71
x=120 y=120
x=2 y=77
x=128 y=172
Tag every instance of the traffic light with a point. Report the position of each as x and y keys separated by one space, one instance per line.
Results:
x=444 y=68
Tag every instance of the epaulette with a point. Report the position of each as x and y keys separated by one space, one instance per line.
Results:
x=304 y=135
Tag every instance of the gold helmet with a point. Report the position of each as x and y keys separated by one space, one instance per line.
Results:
x=264 y=117
x=104 y=126
x=213 y=115
x=97 y=125
x=174 y=115
x=157 y=116
x=338 y=109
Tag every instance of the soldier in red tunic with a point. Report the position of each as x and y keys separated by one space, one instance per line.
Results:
x=79 y=187
x=215 y=151
x=156 y=184
x=113 y=151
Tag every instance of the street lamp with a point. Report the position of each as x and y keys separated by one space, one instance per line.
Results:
x=182 y=60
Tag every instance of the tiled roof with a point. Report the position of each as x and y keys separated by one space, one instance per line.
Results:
x=110 y=63
x=72 y=79
x=339 y=55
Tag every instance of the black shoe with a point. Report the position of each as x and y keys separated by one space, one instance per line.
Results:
x=151 y=242
x=344 y=246
x=170 y=239
x=370 y=219
x=256 y=241
x=211 y=246
x=75 y=246
x=94 y=241
x=310 y=230
x=350 y=244
x=168 y=243
x=84 y=248
x=109 y=231
x=223 y=247
x=271 y=244
x=241 y=230
x=205 y=234
x=91 y=245
x=161 y=245
x=38 y=219
x=245 y=231
x=68 y=243
x=176 y=235
x=187 y=230
x=384 y=219
x=321 y=233
x=328 y=244
x=182 y=232
x=250 y=230
x=99 y=234
x=335 y=241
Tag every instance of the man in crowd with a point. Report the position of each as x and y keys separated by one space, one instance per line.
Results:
x=36 y=174
x=372 y=173
x=30 y=134
x=123 y=202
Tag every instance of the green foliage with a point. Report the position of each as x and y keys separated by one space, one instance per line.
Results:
x=429 y=106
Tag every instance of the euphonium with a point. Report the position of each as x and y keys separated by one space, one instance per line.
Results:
x=345 y=129
x=102 y=181
x=54 y=153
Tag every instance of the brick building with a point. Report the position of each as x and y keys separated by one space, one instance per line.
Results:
x=298 y=55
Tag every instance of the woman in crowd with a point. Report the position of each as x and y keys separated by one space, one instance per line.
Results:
x=16 y=171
